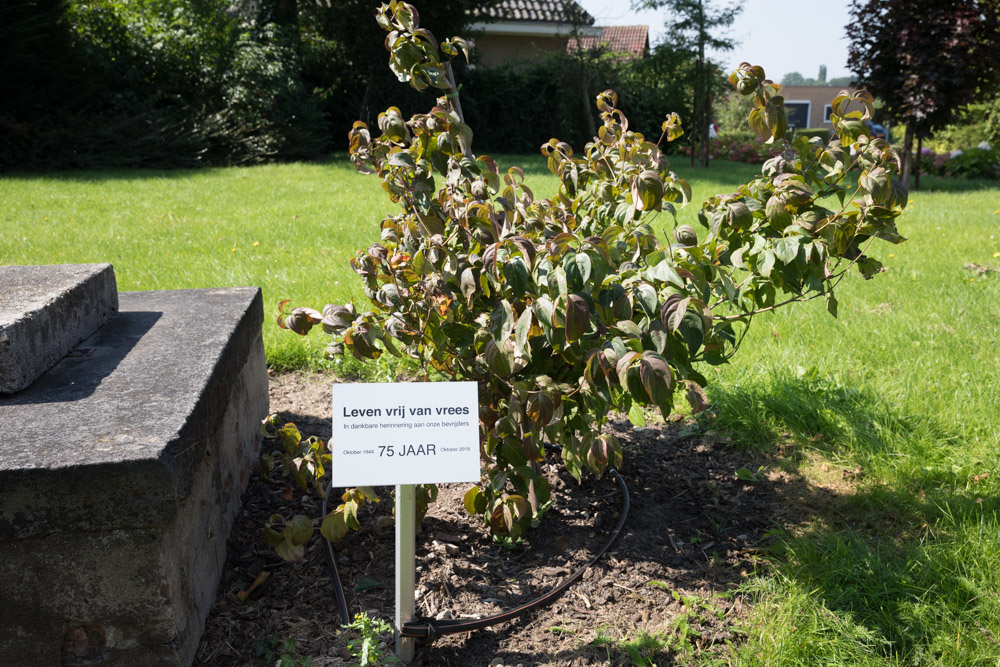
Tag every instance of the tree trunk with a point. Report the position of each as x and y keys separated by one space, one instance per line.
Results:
x=588 y=113
x=916 y=164
x=907 y=154
x=701 y=103
x=706 y=120
x=286 y=12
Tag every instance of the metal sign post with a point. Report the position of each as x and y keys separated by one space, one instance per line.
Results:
x=406 y=531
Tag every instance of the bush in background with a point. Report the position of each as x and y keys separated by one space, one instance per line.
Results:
x=983 y=163
x=152 y=84
x=739 y=147
x=498 y=101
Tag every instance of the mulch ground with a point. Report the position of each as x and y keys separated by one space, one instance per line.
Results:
x=690 y=539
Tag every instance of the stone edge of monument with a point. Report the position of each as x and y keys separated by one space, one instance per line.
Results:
x=76 y=448
x=129 y=595
x=46 y=331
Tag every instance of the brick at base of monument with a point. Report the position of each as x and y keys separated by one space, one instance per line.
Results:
x=121 y=471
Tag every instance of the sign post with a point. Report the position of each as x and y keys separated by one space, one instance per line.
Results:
x=405 y=434
x=406 y=531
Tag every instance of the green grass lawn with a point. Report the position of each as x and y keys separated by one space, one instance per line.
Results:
x=902 y=567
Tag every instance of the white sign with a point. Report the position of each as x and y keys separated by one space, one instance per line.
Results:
x=405 y=433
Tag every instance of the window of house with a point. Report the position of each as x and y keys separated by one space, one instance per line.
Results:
x=797 y=112
x=827 y=110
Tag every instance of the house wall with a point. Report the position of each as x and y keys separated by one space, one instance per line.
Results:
x=818 y=99
x=496 y=50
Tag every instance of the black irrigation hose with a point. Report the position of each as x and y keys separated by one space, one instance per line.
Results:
x=430 y=629
x=331 y=562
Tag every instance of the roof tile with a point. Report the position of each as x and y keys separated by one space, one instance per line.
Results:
x=550 y=11
x=630 y=39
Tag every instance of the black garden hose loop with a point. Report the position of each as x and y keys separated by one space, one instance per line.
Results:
x=430 y=629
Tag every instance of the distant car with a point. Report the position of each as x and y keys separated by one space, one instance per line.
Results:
x=877 y=131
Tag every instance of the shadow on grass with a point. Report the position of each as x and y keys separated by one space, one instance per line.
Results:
x=104 y=175
x=905 y=557
x=938 y=184
x=834 y=414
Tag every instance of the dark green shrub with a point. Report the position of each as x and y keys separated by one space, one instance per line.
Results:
x=975 y=163
x=155 y=83
x=496 y=100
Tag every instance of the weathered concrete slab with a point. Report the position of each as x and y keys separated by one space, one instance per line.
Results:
x=45 y=311
x=121 y=471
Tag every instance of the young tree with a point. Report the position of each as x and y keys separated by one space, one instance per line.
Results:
x=564 y=309
x=695 y=27
x=925 y=59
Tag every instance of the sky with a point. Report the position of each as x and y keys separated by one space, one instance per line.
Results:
x=779 y=35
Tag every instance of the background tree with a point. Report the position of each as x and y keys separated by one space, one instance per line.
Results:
x=796 y=79
x=925 y=59
x=345 y=56
x=696 y=27
x=793 y=79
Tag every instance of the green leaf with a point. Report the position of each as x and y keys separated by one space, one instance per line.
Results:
x=664 y=271
x=557 y=280
x=737 y=258
x=578 y=268
x=502 y=322
x=468 y=284
x=629 y=328
x=496 y=360
x=647 y=191
x=367 y=583
x=543 y=308
x=512 y=452
x=787 y=249
x=522 y=330
x=475 y=501
x=334 y=526
x=738 y=215
x=290 y=552
x=401 y=159
x=767 y=263
x=539 y=408
x=571 y=459
x=831 y=304
x=658 y=337
x=693 y=330
x=516 y=274
x=678 y=314
x=636 y=415
x=646 y=296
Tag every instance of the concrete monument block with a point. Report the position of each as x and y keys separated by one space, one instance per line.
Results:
x=45 y=311
x=121 y=471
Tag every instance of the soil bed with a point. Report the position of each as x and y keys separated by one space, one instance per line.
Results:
x=688 y=543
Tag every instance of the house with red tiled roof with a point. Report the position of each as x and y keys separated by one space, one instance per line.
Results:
x=631 y=41
x=526 y=29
